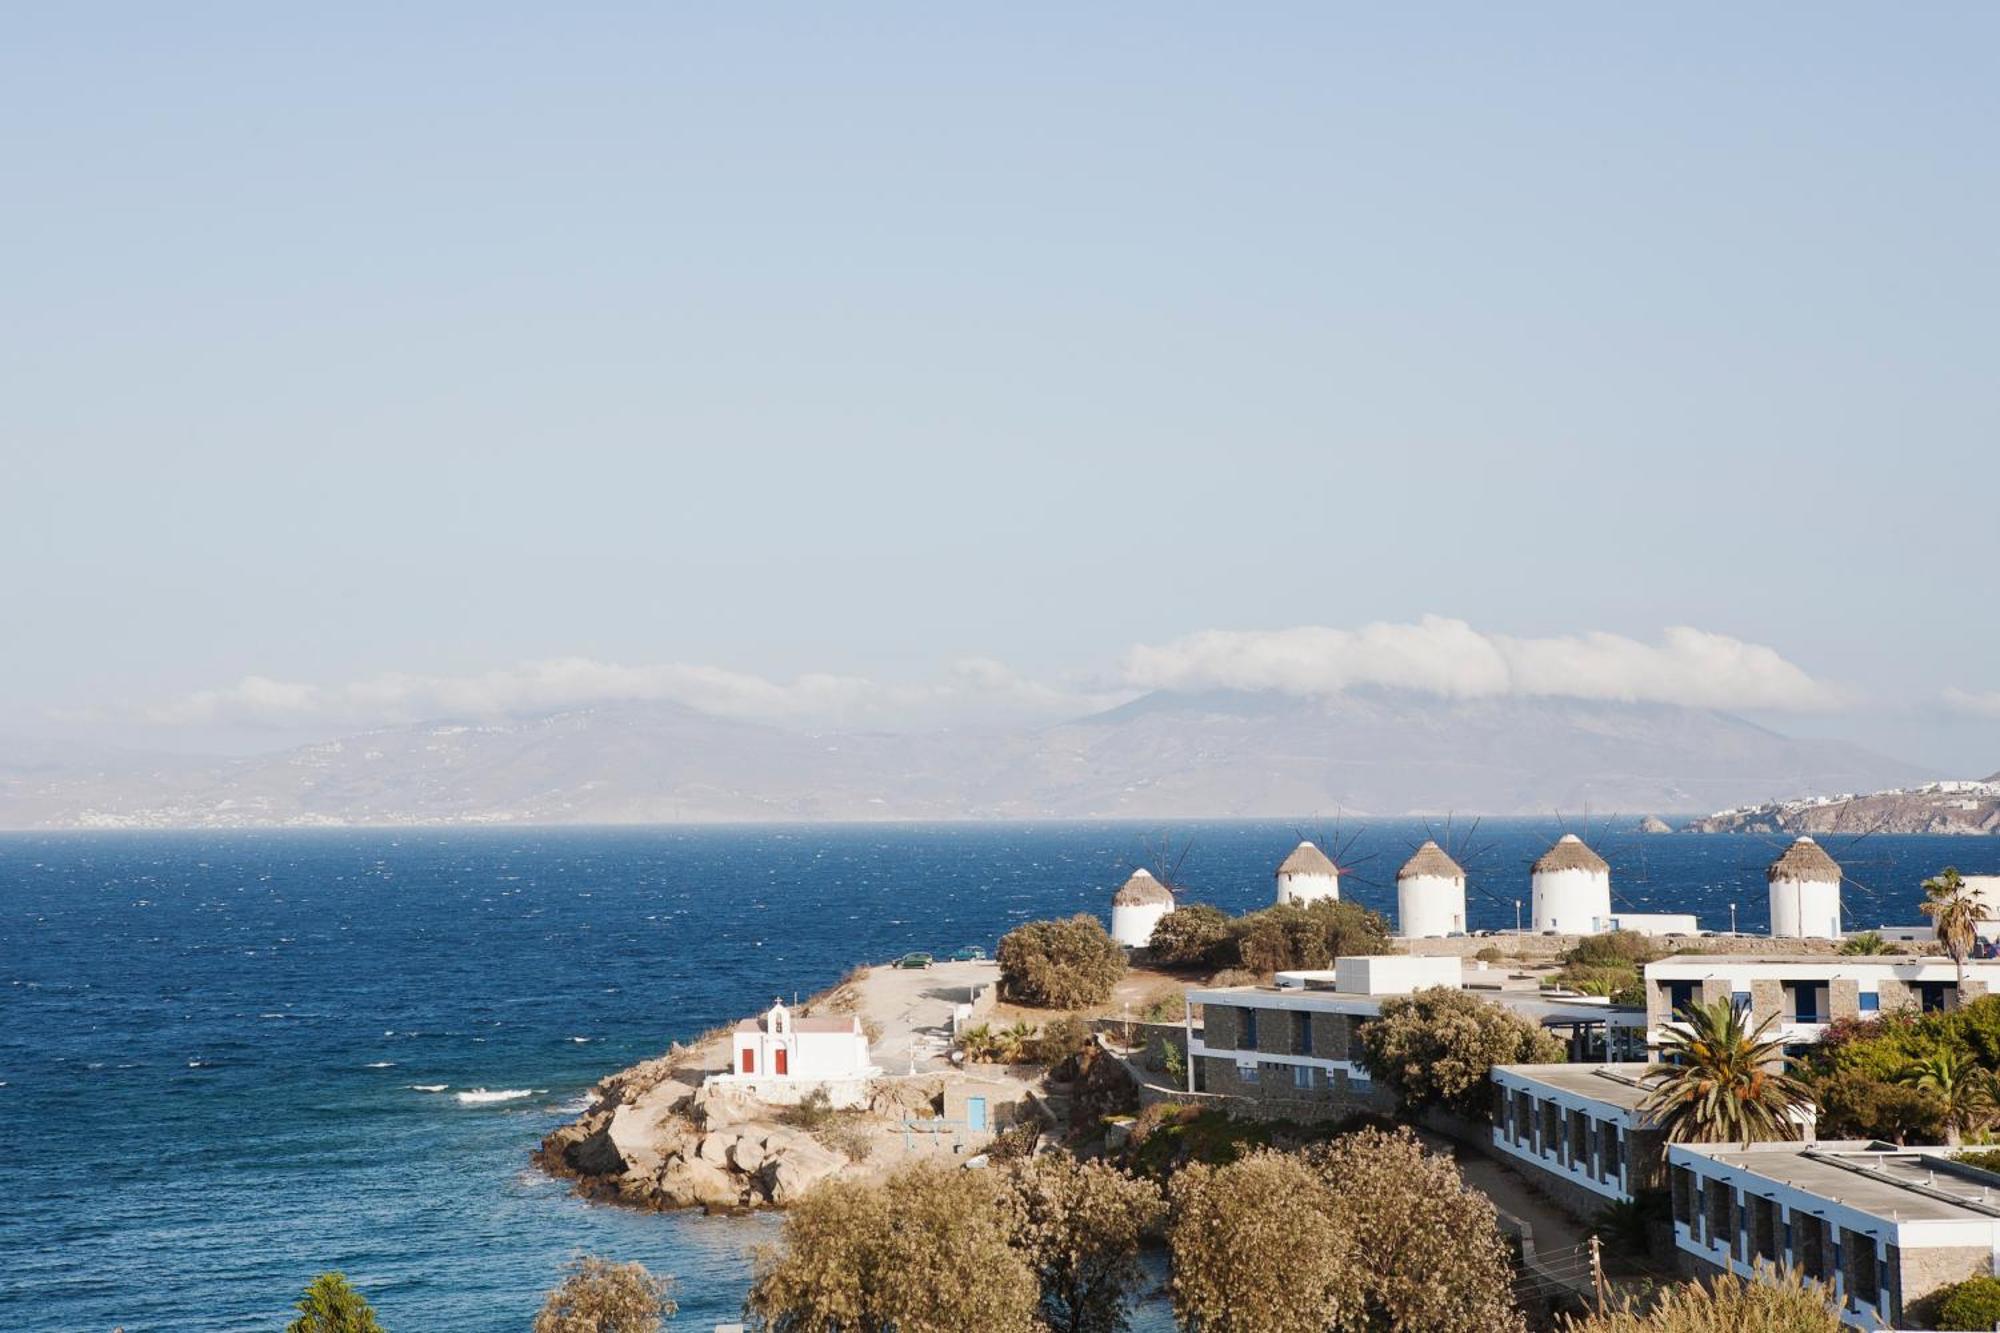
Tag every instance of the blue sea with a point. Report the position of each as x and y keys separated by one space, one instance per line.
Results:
x=215 y=1047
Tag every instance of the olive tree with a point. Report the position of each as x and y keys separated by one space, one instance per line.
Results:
x=1192 y=936
x=599 y=1296
x=1436 y=1048
x=1257 y=1248
x=927 y=1251
x=1432 y=1256
x=1079 y=1225
x=1068 y=964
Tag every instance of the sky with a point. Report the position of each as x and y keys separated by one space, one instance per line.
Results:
x=915 y=365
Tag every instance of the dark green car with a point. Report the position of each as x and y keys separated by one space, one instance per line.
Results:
x=915 y=960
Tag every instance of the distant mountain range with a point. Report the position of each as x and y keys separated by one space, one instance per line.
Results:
x=1934 y=807
x=1377 y=753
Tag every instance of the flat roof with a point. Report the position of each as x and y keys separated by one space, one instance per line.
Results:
x=1613 y=1084
x=1824 y=960
x=1886 y=1182
x=1528 y=1004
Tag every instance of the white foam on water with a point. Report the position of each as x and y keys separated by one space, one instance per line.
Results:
x=579 y=1040
x=429 y=1087
x=479 y=1096
x=381 y=1064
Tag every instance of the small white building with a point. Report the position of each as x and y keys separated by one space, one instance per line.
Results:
x=1655 y=923
x=779 y=1046
x=1137 y=907
x=1308 y=875
x=1430 y=894
x=1805 y=893
x=1572 y=889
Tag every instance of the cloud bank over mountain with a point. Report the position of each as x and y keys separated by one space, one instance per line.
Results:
x=1435 y=656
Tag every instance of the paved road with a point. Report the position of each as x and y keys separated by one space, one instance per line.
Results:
x=914 y=1008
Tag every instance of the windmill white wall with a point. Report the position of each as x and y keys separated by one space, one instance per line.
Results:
x=1308 y=875
x=1430 y=895
x=1137 y=907
x=1805 y=893
x=1571 y=889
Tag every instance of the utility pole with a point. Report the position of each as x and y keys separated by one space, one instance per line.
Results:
x=1732 y=918
x=1517 y=916
x=1597 y=1271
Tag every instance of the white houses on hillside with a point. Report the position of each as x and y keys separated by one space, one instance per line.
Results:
x=1308 y=875
x=1572 y=889
x=1137 y=907
x=1805 y=893
x=1430 y=894
x=778 y=1046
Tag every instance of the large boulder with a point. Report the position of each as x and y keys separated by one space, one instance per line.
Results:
x=788 y=1175
x=593 y=1153
x=714 y=1149
x=693 y=1182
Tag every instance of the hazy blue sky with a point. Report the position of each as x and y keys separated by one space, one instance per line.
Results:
x=361 y=350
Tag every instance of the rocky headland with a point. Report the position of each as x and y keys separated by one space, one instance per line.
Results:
x=1935 y=807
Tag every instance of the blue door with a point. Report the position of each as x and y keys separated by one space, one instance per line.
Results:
x=975 y=1113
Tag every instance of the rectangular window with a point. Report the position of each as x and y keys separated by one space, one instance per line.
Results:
x=1680 y=996
x=1871 y=1002
x=1740 y=1001
x=1935 y=996
x=1302 y=1034
x=1247 y=1073
x=1302 y=1077
x=1248 y=1030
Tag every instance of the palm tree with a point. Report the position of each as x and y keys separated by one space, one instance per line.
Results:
x=1866 y=942
x=1720 y=1083
x=1956 y=1080
x=1954 y=915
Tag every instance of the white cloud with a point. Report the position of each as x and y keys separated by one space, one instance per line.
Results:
x=973 y=690
x=1977 y=703
x=1438 y=656
x=1450 y=658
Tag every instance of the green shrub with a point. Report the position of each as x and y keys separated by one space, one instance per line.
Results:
x=1973 y=1303
x=1617 y=948
x=1061 y=1038
x=1867 y=942
x=1070 y=964
x=329 y=1305
x=1986 y=1159
x=1290 y=937
x=1489 y=954
x=1196 y=935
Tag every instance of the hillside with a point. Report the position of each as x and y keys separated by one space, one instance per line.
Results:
x=1935 y=807
x=1213 y=755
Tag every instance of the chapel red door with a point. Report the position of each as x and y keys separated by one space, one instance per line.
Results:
x=749 y=1060
x=778 y=1056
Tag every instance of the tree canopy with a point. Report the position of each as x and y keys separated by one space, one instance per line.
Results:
x=330 y=1305
x=1069 y=964
x=1436 y=1048
x=599 y=1296
x=1079 y=1224
x=1719 y=1082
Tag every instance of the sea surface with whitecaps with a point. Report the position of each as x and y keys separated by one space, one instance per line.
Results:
x=229 y=1060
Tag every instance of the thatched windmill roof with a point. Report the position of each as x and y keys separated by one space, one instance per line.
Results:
x=1570 y=853
x=1430 y=859
x=1806 y=860
x=1142 y=890
x=1307 y=859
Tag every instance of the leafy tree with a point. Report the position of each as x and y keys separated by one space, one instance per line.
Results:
x=1856 y=1105
x=1290 y=936
x=1436 y=1048
x=1954 y=914
x=929 y=1250
x=598 y=1296
x=1196 y=935
x=330 y=1305
x=1256 y=1249
x=1961 y=1087
x=1866 y=942
x=1614 y=948
x=1431 y=1257
x=1973 y=1303
x=1726 y=1303
x=1720 y=1083
x=1069 y=964
x=1080 y=1224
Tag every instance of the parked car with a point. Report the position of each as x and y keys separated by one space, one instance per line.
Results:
x=971 y=953
x=915 y=960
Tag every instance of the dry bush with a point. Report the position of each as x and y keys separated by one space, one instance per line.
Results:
x=599 y=1296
